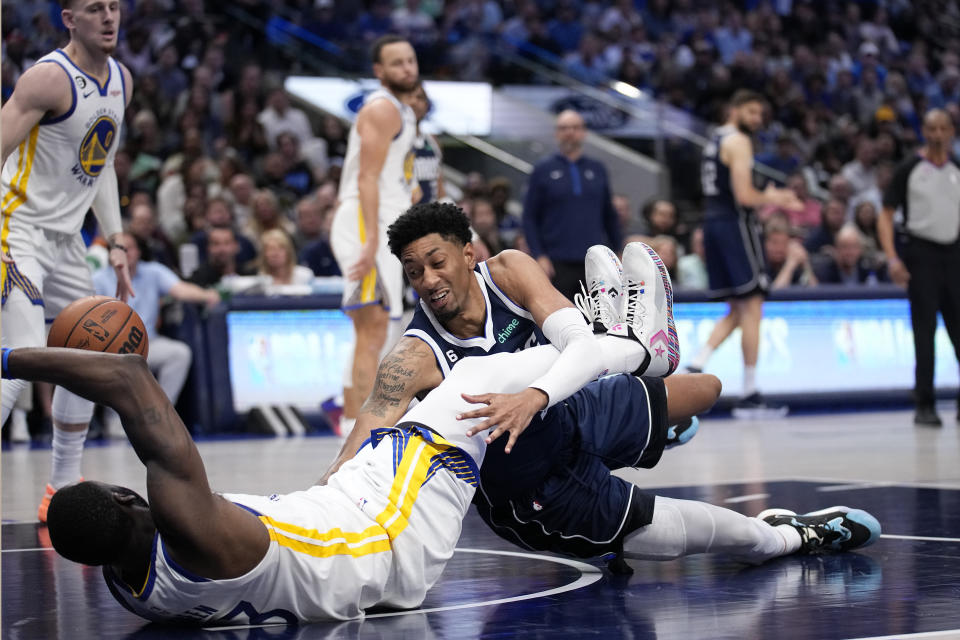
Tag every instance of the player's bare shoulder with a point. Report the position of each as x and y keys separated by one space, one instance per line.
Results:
x=516 y=273
x=44 y=87
x=127 y=82
x=736 y=143
x=380 y=114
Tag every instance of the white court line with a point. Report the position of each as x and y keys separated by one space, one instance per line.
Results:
x=948 y=633
x=22 y=550
x=747 y=498
x=888 y=483
x=588 y=575
x=893 y=536
x=857 y=485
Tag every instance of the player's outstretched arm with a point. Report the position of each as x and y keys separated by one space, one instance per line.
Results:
x=407 y=370
x=204 y=533
x=42 y=89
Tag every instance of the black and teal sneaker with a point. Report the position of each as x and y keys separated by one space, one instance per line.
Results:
x=831 y=529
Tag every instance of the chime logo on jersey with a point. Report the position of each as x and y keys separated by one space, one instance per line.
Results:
x=95 y=148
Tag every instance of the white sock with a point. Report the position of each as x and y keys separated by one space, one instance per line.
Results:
x=749 y=379
x=685 y=527
x=700 y=360
x=67 y=453
x=619 y=355
x=19 y=431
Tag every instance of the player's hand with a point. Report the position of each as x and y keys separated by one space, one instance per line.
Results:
x=547 y=265
x=783 y=198
x=505 y=412
x=898 y=272
x=118 y=260
x=5 y=257
x=366 y=263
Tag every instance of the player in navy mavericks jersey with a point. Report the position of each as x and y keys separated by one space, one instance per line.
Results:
x=731 y=234
x=61 y=129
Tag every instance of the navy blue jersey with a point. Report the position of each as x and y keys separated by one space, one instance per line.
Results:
x=508 y=327
x=715 y=179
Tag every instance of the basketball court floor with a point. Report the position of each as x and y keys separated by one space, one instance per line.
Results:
x=905 y=586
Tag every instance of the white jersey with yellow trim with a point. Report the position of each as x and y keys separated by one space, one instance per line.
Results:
x=50 y=180
x=395 y=185
x=379 y=533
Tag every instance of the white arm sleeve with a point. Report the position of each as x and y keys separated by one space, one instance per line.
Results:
x=580 y=358
x=106 y=204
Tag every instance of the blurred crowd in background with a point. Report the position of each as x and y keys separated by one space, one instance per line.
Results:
x=215 y=156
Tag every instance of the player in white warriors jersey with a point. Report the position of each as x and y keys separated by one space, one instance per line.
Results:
x=375 y=188
x=61 y=129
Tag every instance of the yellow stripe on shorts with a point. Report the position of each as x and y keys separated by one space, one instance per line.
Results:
x=368 y=286
x=410 y=477
x=17 y=195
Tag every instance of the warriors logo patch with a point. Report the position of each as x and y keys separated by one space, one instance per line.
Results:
x=96 y=145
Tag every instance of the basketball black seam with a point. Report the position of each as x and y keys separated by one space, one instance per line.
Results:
x=117 y=333
x=77 y=323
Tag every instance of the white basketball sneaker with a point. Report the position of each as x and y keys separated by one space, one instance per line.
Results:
x=648 y=307
x=601 y=302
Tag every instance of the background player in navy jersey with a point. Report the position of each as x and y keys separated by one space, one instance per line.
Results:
x=61 y=130
x=731 y=236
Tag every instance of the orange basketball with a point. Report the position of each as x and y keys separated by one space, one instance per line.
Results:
x=99 y=323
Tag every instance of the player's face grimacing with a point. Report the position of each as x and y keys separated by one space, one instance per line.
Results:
x=439 y=271
x=95 y=23
x=397 y=67
x=750 y=117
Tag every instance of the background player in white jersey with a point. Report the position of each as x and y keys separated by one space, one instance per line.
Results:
x=61 y=129
x=375 y=188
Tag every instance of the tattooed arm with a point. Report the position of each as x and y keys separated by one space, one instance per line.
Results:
x=408 y=370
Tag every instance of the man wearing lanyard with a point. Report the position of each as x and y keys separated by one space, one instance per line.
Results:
x=569 y=208
x=926 y=188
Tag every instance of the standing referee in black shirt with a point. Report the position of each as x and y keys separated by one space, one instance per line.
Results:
x=926 y=188
x=569 y=208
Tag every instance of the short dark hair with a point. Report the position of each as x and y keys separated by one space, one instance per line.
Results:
x=87 y=525
x=377 y=47
x=223 y=227
x=745 y=96
x=425 y=218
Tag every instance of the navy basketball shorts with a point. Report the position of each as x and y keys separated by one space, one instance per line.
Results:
x=576 y=506
x=734 y=256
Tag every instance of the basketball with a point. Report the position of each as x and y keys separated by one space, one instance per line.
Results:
x=99 y=323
